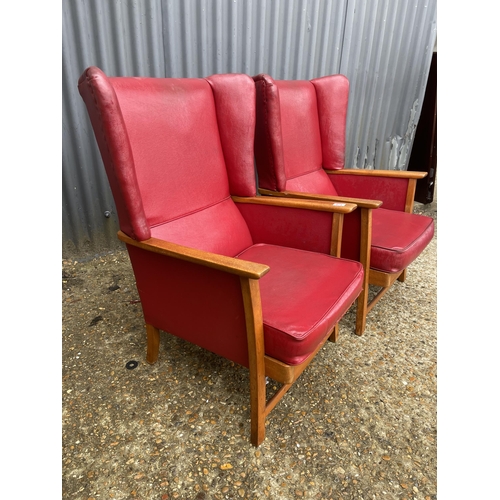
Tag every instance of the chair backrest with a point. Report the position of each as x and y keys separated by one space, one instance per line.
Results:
x=175 y=149
x=300 y=132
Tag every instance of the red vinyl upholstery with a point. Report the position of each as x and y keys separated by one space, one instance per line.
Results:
x=178 y=153
x=398 y=239
x=292 y=331
x=301 y=127
x=300 y=150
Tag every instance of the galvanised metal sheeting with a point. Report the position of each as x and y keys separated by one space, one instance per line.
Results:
x=384 y=48
x=288 y=39
x=386 y=55
x=122 y=38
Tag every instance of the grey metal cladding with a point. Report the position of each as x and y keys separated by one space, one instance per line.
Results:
x=384 y=47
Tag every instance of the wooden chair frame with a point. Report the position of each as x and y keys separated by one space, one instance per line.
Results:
x=260 y=365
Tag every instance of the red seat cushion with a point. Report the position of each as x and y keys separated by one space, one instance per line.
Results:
x=398 y=238
x=297 y=296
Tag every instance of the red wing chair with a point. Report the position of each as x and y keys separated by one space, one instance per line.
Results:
x=247 y=277
x=299 y=152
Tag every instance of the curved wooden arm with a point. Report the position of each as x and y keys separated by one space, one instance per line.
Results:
x=361 y=203
x=401 y=174
x=231 y=265
x=308 y=204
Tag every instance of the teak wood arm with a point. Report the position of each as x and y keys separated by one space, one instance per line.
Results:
x=401 y=174
x=410 y=176
x=231 y=265
x=361 y=203
x=307 y=204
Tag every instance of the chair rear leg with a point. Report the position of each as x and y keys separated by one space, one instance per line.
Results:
x=402 y=276
x=334 y=336
x=153 y=337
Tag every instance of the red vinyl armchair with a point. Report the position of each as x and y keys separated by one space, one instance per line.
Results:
x=299 y=152
x=247 y=277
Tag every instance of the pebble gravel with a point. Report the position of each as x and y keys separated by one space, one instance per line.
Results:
x=360 y=422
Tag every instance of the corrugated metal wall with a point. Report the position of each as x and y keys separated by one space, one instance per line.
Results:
x=123 y=38
x=386 y=55
x=384 y=47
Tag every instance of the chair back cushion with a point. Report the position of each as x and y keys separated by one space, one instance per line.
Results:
x=296 y=136
x=161 y=146
x=332 y=94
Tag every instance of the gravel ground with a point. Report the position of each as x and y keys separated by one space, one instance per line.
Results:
x=360 y=423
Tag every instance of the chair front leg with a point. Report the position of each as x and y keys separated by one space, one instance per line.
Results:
x=335 y=250
x=255 y=336
x=336 y=236
x=361 y=311
x=364 y=258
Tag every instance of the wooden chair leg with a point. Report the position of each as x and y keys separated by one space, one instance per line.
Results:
x=362 y=311
x=257 y=407
x=402 y=276
x=335 y=334
x=364 y=258
x=255 y=337
x=153 y=336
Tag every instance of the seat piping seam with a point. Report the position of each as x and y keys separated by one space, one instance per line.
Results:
x=191 y=212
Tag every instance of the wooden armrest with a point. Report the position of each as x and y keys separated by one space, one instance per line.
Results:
x=401 y=174
x=361 y=203
x=308 y=204
x=231 y=265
